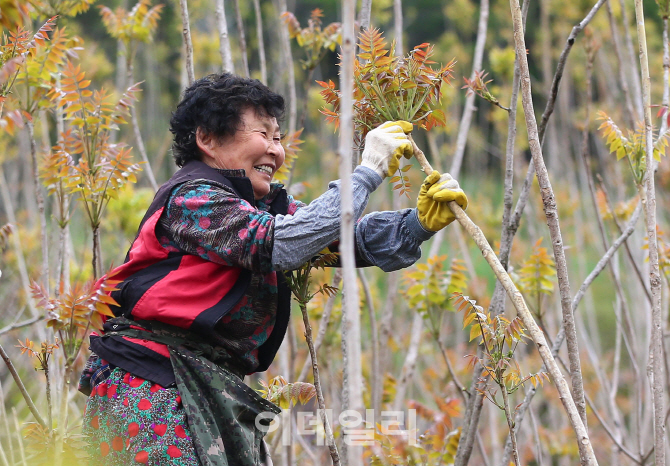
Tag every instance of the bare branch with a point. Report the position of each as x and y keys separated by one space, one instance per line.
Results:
x=560 y=67
x=22 y=388
x=469 y=107
x=18 y=325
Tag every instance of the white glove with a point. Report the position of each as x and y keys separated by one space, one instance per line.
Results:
x=384 y=145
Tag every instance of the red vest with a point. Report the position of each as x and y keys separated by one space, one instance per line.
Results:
x=182 y=289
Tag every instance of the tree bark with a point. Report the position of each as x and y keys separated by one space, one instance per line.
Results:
x=364 y=14
x=632 y=64
x=39 y=197
x=243 y=39
x=224 y=40
x=376 y=380
x=616 y=45
x=353 y=369
x=288 y=60
x=666 y=75
x=397 y=27
x=655 y=368
x=188 y=43
x=551 y=213
x=261 y=42
x=138 y=134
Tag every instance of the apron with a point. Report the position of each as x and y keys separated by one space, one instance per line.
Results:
x=221 y=410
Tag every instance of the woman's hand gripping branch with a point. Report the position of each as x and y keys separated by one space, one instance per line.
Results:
x=432 y=204
x=385 y=145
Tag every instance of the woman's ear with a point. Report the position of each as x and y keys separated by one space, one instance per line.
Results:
x=206 y=142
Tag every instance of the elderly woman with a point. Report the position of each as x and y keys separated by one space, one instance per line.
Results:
x=202 y=299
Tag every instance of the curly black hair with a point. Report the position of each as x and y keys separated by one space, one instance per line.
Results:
x=214 y=104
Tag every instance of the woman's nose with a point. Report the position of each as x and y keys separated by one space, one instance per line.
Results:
x=274 y=148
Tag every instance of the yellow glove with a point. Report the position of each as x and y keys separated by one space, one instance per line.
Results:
x=436 y=191
x=385 y=145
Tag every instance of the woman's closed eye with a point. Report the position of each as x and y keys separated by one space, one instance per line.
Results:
x=275 y=138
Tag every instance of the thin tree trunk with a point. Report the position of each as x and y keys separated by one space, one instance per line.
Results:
x=376 y=380
x=613 y=269
x=474 y=405
x=392 y=278
x=17 y=428
x=63 y=265
x=551 y=213
x=22 y=388
x=353 y=369
x=63 y=414
x=507 y=233
x=138 y=135
x=317 y=385
x=558 y=341
x=629 y=253
x=632 y=65
x=188 y=43
x=3 y=456
x=96 y=260
x=666 y=75
x=535 y=333
x=224 y=40
x=288 y=61
x=546 y=43
x=243 y=39
x=655 y=368
x=3 y=415
x=261 y=42
x=407 y=373
x=616 y=44
x=16 y=243
x=39 y=197
x=397 y=27
x=323 y=325
x=284 y=370
x=469 y=108
x=386 y=320
x=510 y=424
x=471 y=418
x=548 y=111
x=364 y=14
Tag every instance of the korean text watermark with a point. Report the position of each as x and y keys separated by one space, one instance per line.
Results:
x=358 y=429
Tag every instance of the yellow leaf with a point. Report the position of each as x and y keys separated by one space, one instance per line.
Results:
x=475 y=331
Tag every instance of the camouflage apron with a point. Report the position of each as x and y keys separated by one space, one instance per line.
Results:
x=221 y=410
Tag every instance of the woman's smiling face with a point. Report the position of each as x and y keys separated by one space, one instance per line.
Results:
x=255 y=148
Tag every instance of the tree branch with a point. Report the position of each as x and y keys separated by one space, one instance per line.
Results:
x=22 y=388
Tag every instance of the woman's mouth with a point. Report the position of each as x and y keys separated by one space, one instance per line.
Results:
x=267 y=169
